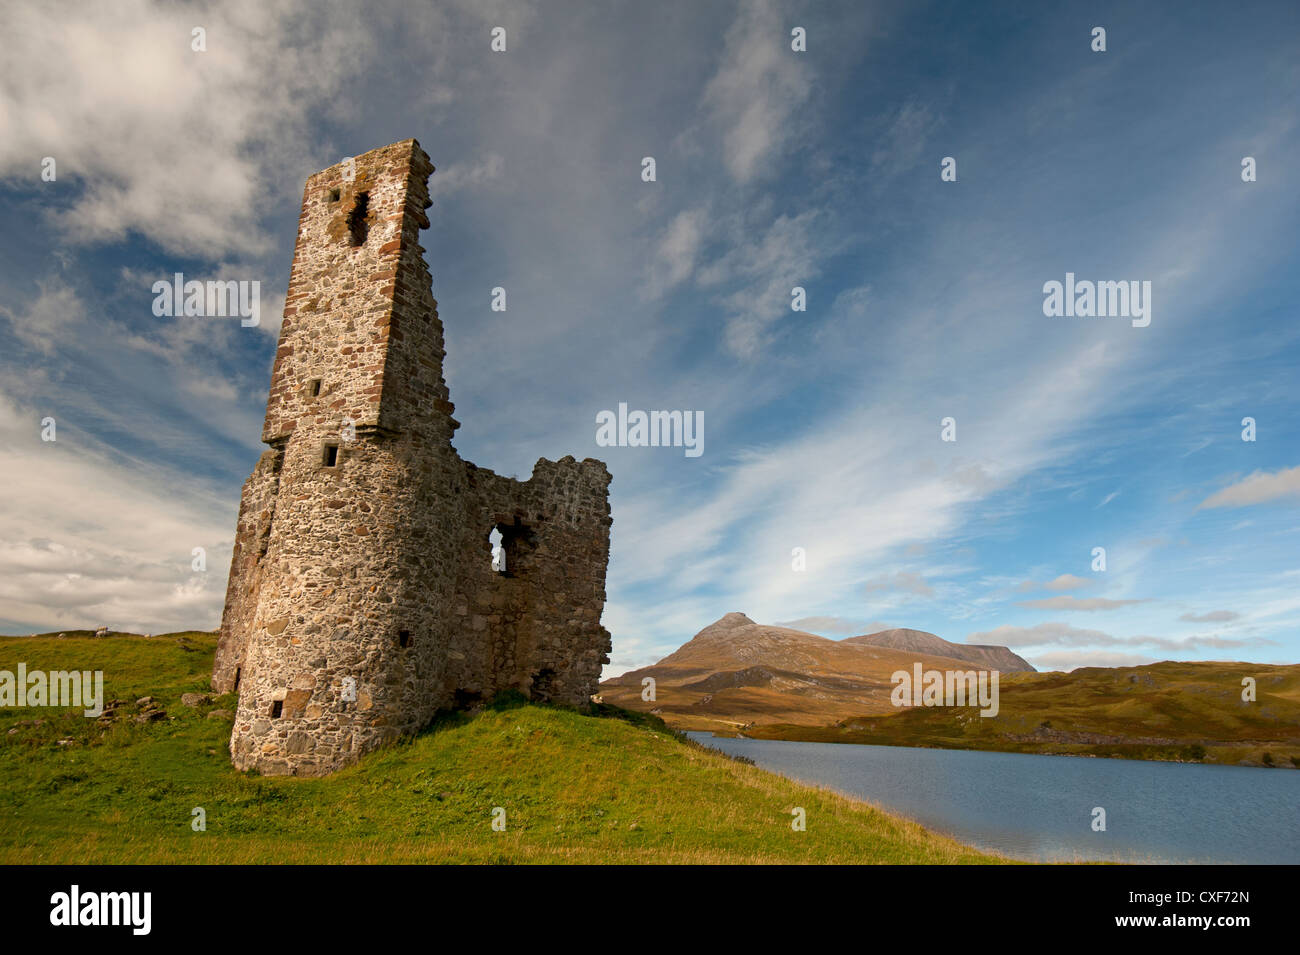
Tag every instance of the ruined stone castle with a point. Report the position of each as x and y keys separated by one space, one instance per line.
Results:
x=364 y=592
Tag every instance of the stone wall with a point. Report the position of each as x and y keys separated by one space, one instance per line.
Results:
x=252 y=537
x=362 y=599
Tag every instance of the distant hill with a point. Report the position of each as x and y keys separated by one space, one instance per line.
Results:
x=918 y=641
x=736 y=673
x=738 y=676
x=1182 y=711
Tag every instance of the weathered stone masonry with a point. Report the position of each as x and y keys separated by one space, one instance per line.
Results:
x=362 y=560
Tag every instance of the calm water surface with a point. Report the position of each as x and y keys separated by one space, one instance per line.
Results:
x=1040 y=807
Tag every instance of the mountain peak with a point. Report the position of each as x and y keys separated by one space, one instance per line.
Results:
x=733 y=619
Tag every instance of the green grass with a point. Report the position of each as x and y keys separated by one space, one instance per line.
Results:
x=1185 y=712
x=609 y=786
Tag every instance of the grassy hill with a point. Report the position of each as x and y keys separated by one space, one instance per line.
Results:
x=609 y=787
x=1190 y=712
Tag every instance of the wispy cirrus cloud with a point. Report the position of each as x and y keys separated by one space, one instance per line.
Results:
x=836 y=626
x=1213 y=616
x=1063 y=634
x=1078 y=603
x=678 y=251
x=760 y=85
x=761 y=268
x=473 y=174
x=903 y=581
x=906 y=138
x=1063 y=582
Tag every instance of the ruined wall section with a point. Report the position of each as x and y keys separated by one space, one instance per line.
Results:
x=536 y=628
x=415 y=398
x=354 y=236
x=252 y=537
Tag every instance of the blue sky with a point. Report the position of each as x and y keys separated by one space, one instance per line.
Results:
x=774 y=169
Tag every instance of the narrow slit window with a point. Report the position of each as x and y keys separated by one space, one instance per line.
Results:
x=313 y=388
x=403 y=638
x=277 y=708
x=330 y=458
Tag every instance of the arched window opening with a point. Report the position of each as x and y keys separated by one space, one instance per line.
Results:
x=512 y=548
x=498 y=551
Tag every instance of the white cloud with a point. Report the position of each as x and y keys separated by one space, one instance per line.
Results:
x=905 y=140
x=466 y=175
x=52 y=315
x=1067 y=660
x=838 y=626
x=215 y=389
x=90 y=538
x=138 y=378
x=757 y=91
x=1259 y=488
x=150 y=136
x=765 y=265
x=1042 y=634
x=678 y=252
x=1062 y=634
x=901 y=581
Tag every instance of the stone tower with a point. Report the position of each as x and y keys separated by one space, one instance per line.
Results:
x=363 y=597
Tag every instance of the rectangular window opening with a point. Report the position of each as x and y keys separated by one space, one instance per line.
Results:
x=403 y=638
x=330 y=458
x=277 y=707
x=313 y=388
x=358 y=227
